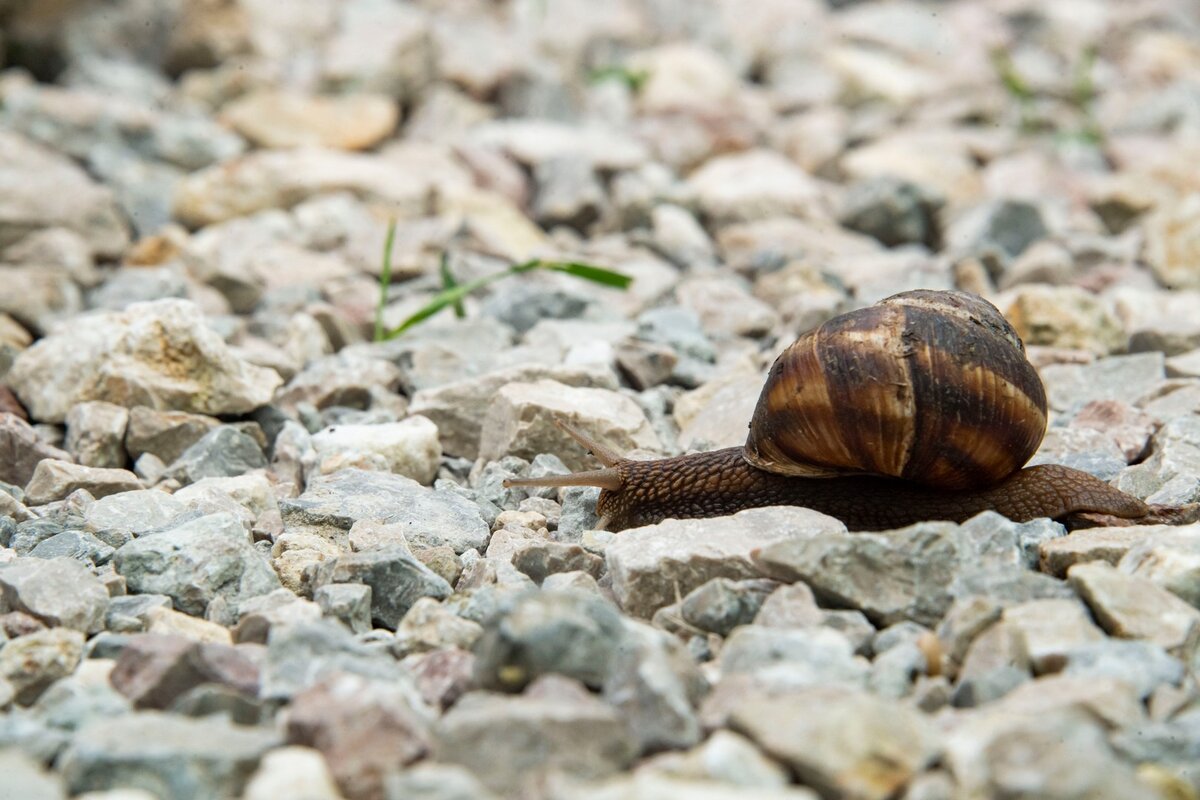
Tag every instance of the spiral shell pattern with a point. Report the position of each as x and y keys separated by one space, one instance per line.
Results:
x=929 y=386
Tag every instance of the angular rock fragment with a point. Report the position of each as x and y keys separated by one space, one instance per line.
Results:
x=54 y=480
x=841 y=742
x=567 y=633
x=197 y=562
x=57 y=591
x=509 y=742
x=520 y=421
x=31 y=663
x=1133 y=608
x=396 y=578
x=159 y=354
x=333 y=503
x=653 y=566
x=21 y=450
x=364 y=729
x=176 y=756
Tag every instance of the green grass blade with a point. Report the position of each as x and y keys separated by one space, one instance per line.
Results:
x=385 y=278
x=454 y=293
x=444 y=298
x=590 y=272
x=448 y=282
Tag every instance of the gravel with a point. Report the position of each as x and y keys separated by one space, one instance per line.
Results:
x=246 y=550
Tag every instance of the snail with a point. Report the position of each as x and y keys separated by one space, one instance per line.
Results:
x=920 y=407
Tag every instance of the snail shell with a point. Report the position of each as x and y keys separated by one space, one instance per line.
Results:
x=929 y=386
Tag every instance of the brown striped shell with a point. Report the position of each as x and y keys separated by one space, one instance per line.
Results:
x=928 y=386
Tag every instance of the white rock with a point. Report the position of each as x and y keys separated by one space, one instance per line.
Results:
x=758 y=184
x=409 y=447
x=299 y=773
x=160 y=354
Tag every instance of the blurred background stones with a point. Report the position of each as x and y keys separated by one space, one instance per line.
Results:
x=248 y=551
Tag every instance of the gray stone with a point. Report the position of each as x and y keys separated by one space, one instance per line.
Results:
x=790 y=606
x=196 y=562
x=333 y=503
x=128 y=285
x=521 y=306
x=893 y=211
x=1174 y=743
x=81 y=546
x=58 y=591
x=889 y=577
x=222 y=452
x=1071 y=386
x=96 y=434
x=678 y=328
x=1170 y=557
x=134 y=513
x=1010 y=225
x=569 y=633
x=253 y=493
x=31 y=735
x=458 y=408
x=540 y=559
x=521 y=421
x=165 y=434
x=32 y=532
x=839 y=741
x=430 y=626
x=568 y=193
x=54 y=480
x=1143 y=665
x=510 y=742
x=130 y=613
x=161 y=354
x=169 y=756
x=47 y=190
x=258 y=616
x=721 y=604
x=895 y=671
x=349 y=603
x=793 y=658
x=654 y=565
x=1040 y=756
x=299 y=656
x=73 y=702
x=396 y=578
x=1175 y=452
x=347 y=378
x=1109 y=545
x=654 y=684
x=1133 y=608
x=31 y=663
x=1046 y=630
x=21 y=450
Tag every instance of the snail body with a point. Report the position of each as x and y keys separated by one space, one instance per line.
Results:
x=920 y=407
